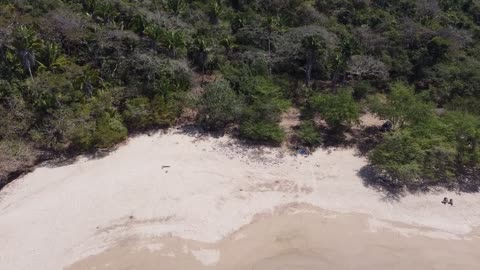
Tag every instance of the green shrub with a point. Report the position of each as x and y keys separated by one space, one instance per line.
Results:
x=137 y=113
x=399 y=156
x=110 y=131
x=262 y=131
x=163 y=111
x=443 y=149
x=337 y=109
x=401 y=106
x=308 y=134
x=83 y=136
x=219 y=105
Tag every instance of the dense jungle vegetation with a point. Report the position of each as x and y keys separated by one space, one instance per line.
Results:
x=80 y=75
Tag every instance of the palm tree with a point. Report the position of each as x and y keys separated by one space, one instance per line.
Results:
x=154 y=32
x=175 y=6
x=343 y=55
x=237 y=23
x=228 y=44
x=312 y=48
x=215 y=11
x=26 y=43
x=173 y=41
x=88 y=82
x=106 y=11
x=138 y=23
x=199 y=54
x=51 y=58
x=27 y=58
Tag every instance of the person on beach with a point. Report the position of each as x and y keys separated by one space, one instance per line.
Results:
x=451 y=202
x=445 y=200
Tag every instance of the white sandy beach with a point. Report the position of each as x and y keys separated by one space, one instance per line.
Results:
x=202 y=190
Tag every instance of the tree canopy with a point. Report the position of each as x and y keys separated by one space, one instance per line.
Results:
x=78 y=75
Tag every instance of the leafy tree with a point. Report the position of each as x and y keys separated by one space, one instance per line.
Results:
x=271 y=24
x=368 y=68
x=401 y=106
x=312 y=49
x=443 y=150
x=464 y=132
x=454 y=80
x=337 y=109
x=437 y=49
x=398 y=156
x=219 y=105
x=74 y=73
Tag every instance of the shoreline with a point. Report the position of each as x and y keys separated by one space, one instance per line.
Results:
x=194 y=188
x=296 y=237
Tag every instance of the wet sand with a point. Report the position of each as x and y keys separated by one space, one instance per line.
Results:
x=302 y=241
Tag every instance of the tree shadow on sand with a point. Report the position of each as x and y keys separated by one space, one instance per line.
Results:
x=372 y=179
x=393 y=192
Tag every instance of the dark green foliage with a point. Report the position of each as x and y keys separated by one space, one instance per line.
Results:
x=198 y=53
x=137 y=113
x=337 y=109
x=141 y=113
x=398 y=155
x=219 y=105
x=308 y=134
x=109 y=131
x=401 y=106
x=175 y=6
x=362 y=89
x=443 y=150
x=260 y=130
x=75 y=74
x=452 y=80
x=164 y=111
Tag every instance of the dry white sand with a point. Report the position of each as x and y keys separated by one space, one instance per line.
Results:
x=56 y=216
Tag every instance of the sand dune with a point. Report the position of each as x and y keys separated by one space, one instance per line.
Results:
x=201 y=189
